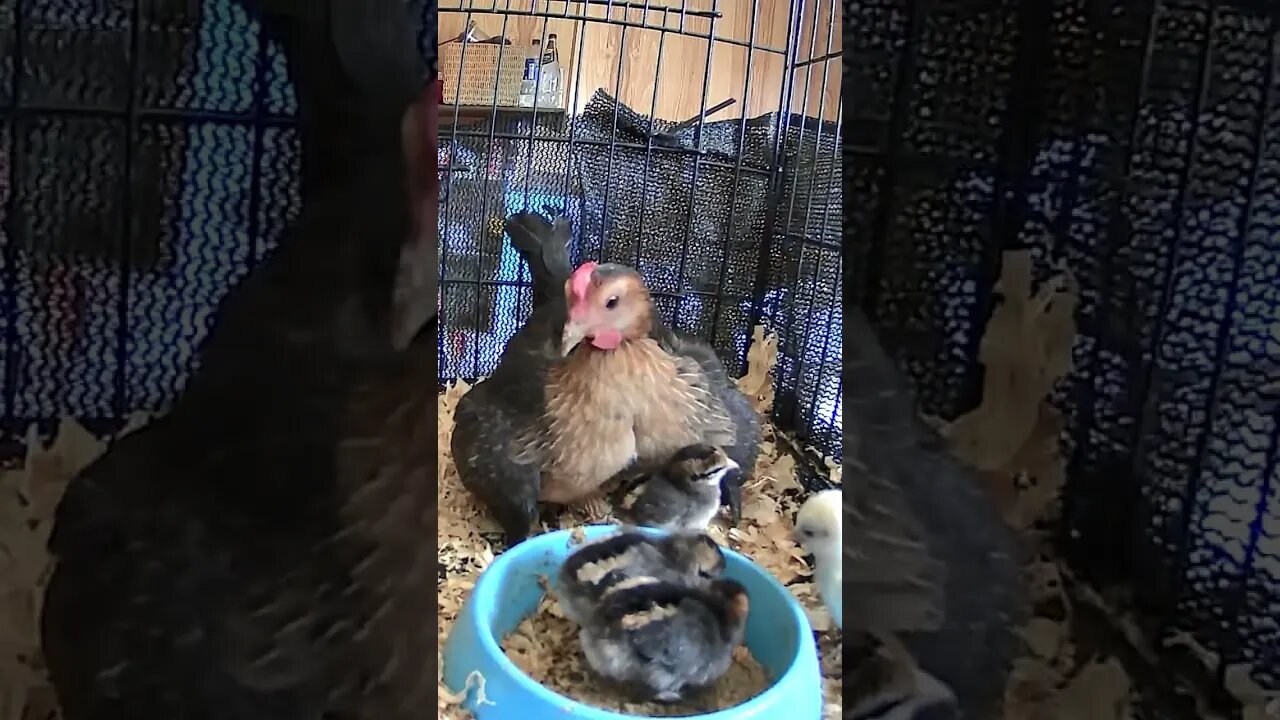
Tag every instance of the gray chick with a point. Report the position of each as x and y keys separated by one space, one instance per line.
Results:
x=594 y=568
x=661 y=640
x=684 y=495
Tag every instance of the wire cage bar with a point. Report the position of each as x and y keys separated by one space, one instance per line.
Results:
x=697 y=141
x=148 y=161
x=1135 y=145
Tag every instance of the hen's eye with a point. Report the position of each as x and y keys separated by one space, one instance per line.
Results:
x=612 y=302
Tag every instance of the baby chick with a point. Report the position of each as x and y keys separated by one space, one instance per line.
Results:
x=818 y=530
x=684 y=496
x=688 y=559
x=662 y=640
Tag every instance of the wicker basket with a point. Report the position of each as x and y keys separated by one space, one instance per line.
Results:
x=483 y=71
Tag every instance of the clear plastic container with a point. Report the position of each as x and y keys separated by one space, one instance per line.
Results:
x=551 y=73
x=529 y=83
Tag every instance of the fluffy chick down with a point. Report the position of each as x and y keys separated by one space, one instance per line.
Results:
x=684 y=495
x=662 y=640
x=622 y=561
x=819 y=529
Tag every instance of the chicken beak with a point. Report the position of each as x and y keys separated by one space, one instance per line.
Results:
x=574 y=334
x=730 y=467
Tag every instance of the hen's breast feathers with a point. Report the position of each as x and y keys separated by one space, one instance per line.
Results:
x=605 y=410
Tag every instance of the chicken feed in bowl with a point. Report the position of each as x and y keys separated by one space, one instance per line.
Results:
x=468 y=538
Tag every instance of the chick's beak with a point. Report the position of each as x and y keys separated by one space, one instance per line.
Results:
x=727 y=469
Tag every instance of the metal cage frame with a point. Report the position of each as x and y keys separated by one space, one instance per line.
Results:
x=1129 y=141
x=790 y=202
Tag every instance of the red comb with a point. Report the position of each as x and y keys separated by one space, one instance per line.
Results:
x=580 y=280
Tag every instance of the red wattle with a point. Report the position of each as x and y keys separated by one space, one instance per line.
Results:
x=607 y=339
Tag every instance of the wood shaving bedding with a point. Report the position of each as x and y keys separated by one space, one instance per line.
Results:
x=29 y=494
x=1012 y=439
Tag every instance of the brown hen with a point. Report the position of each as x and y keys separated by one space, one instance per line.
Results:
x=592 y=388
x=620 y=397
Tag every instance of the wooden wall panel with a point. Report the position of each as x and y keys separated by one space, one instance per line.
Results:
x=816 y=92
x=677 y=78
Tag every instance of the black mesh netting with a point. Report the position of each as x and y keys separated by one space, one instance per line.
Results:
x=693 y=208
x=147 y=162
x=1138 y=145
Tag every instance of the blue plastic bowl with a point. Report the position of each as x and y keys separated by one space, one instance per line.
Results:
x=778 y=635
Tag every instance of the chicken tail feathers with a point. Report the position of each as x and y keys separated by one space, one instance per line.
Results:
x=545 y=248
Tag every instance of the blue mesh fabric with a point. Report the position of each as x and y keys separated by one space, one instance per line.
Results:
x=116 y=247
x=1138 y=145
x=120 y=274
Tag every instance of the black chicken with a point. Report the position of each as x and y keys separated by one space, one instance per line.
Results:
x=559 y=419
x=261 y=551
x=927 y=554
